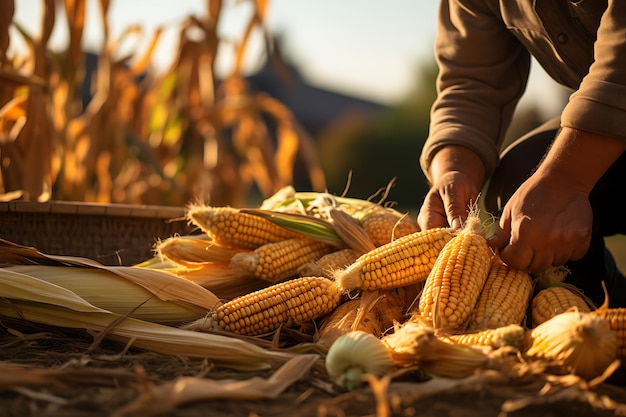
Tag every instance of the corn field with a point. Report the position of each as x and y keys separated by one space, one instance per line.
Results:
x=145 y=137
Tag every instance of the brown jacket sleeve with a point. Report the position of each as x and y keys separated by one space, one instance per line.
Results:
x=599 y=104
x=483 y=71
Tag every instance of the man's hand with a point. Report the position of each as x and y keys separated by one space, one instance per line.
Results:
x=548 y=220
x=456 y=175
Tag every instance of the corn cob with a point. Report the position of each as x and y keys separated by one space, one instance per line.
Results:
x=616 y=317
x=288 y=303
x=510 y=335
x=504 y=298
x=403 y=262
x=457 y=278
x=385 y=225
x=192 y=250
x=230 y=227
x=574 y=342
x=278 y=261
x=324 y=266
x=555 y=300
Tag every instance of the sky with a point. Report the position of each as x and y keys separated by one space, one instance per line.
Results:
x=368 y=48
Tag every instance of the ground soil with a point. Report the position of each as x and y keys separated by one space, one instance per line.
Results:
x=97 y=381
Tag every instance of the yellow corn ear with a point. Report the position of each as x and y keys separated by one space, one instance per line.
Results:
x=384 y=225
x=616 y=317
x=278 y=261
x=504 y=298
x=457 y=278
x=324 y=266
x=230 y=227
x=288 y=303
x=510 y=335
x=193 y=250
x=403 y=262
x=557 y=299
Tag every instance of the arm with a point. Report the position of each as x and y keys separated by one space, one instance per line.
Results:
x=548 y=220
x=478 y=88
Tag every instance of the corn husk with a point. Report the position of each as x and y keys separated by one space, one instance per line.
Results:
x=107 y=290
x=574 y=342
x=38 y=301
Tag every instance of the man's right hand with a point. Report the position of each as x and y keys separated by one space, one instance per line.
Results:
x=457 y=174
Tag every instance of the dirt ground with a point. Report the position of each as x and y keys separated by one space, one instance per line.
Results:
x=100 y=381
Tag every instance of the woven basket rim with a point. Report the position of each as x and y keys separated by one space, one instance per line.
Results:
x=88 y=208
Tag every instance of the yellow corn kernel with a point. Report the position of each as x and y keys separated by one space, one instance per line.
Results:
x=230 y=227
x=403 y=262
x=384 y=225
x=324 y=266
x=504 y=298
x=457 y=278
x=510 y=335
x=287 y=304
x=278 y=261
x=616 y=317
x=555 y=300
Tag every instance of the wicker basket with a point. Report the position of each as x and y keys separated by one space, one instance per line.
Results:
x=112 y=234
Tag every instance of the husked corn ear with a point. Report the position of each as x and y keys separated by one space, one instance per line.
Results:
x=616 y=317
x=278 y=261
x=555 y=300
x=457 y=278
x=403 y=262
x=230 y=227
x=288 y=303
x=510 y=335
x=383 y=225
x=324 y=266
x=504 y=298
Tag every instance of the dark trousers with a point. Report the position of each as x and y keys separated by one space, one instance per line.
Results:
x=608 y=203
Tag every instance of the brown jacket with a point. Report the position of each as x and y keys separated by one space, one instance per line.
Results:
x=483 y=50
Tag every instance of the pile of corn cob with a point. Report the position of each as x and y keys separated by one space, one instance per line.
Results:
x=439 y=299
x=336 y=269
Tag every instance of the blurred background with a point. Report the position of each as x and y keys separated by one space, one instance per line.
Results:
x=225 y=102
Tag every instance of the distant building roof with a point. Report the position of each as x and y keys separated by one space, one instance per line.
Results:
x=312 y=106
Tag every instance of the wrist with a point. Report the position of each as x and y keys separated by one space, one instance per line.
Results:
x=455 y=158
x=580 y=158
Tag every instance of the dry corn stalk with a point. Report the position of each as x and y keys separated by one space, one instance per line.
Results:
x=288 y=303
x=274 y=262
x=504 y=298
x=230 y=227
x=457 y=278
x=557 y=299
x=403 y=262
